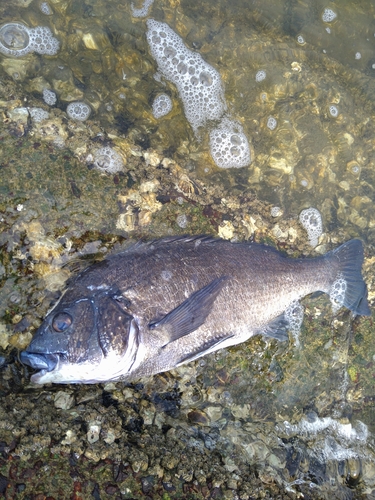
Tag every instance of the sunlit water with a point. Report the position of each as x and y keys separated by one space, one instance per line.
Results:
x=299 y=79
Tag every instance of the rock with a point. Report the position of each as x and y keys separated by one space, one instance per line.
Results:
x=64 y=400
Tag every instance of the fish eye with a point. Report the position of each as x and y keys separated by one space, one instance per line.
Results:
x=61 y=322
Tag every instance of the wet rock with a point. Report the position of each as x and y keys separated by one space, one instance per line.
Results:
x=64 y=400
x=241 y=411
x=214 y=413
x=70 y=438
x=198 y=417
x=138 y=461
x=147 y=484
x=93 y=432
x=170 y=461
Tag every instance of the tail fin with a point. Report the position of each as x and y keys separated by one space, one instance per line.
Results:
x=349 y=288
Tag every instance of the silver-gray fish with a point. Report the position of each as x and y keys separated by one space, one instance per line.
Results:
x=158 y=305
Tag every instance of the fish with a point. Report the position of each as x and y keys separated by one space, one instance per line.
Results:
x=163 y=303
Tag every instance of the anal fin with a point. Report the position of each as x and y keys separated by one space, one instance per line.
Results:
x=277 y=328
x=290 y=320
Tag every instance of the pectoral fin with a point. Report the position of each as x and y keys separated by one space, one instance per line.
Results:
x=189 y=315
x=205 y=349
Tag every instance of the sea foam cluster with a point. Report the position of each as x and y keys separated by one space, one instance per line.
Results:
x=143 y=11
x=108 y=160
x=49 y=97
x=78 y=111
x=17 y=40
x=329 y=15
x=46 y=9
x=311 y=220
x=199 y=84
x=271 y=123
x=294 y=316
x=38 y=114
x=228 y=145
x=161 y=106
x=337 y=293
x=201 y=91
x=260 y=76
x=333 y=111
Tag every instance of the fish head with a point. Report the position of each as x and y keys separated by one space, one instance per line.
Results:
x=89 y=339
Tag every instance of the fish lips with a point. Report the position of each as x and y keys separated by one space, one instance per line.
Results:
x=39 y=361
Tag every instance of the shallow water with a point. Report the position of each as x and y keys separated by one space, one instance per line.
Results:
x=260 y=419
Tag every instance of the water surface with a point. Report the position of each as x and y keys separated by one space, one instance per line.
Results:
x=262 y=417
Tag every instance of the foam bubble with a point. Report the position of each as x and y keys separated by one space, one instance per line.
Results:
x=333 y=111
x=329 y=15
x=14 y=39
x=161 y=106
x=199 y=84
x=300 y=40
x=108 y=160
x=294 y=315
x=260 y=76
x=271 y=123
x=17 y=40
x=49 y=97
x=229 y=146
x=38 y=114
x=143 y=11
x=45 y=8
x=276 y=211
x=337 y=293
x=311 y=220
x=42 y=41
x=78 y=111
x=182 y=221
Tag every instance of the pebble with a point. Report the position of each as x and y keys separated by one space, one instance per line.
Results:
x=64 y=400
x=94 y=432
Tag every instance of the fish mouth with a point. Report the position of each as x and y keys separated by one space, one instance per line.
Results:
x=39 y=361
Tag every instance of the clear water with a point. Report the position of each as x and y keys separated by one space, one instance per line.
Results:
x=265 y=403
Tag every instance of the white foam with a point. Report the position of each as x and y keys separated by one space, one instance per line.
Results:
x=46 y=9
x=182 y=221
x=294 y=315
x=78 y=111
x=276 y=211
x=333 y=111
x=337 y=293
x=328 y=15
x=143 y=11
x=311 y=220
x=260 y=76
x=199 y=84
x=49 y=97
x=309 y=428
x=229 y=146
x=271 y=123
x=38 y=114
x=161 y=106
x=108 y=160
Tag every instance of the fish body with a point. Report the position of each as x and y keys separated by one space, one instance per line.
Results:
x=160 y=304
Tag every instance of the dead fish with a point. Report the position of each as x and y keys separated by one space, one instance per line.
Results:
x=161 y=304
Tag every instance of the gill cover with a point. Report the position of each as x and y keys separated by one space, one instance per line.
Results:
x=85 y=329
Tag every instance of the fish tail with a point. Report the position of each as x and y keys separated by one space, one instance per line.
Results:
x=348 y=287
